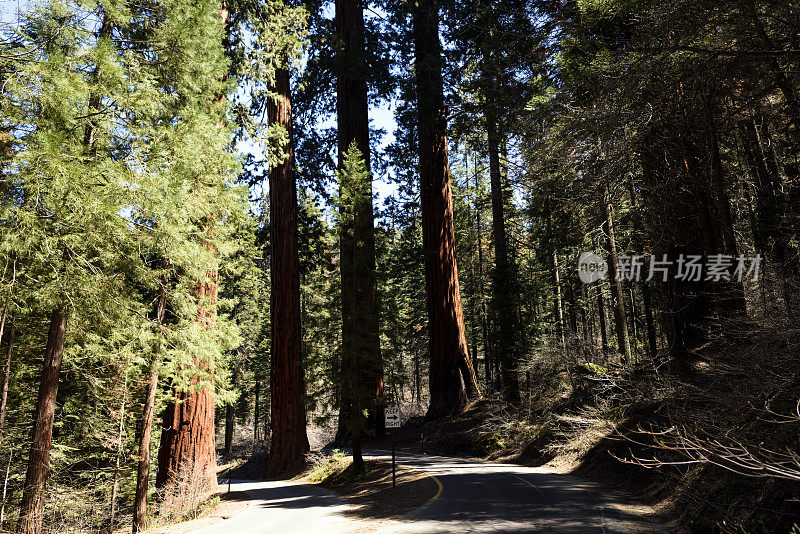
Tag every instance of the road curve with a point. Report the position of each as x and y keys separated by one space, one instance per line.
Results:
x=487 y=497
x=474 y=496
x=285 y=507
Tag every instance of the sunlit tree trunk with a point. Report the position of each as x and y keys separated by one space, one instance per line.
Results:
x=289 y=441
x=557 y=307
x=450 y=366
x=230 y=419
x=6 y=378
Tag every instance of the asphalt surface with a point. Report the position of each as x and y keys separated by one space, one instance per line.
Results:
x=486 y=497
x=284 y=507
x=474 y=497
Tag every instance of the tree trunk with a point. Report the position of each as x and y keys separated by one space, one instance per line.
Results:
x=573 y=308
x=450 y=365
x=559 y=311
x=360 y=325
x=730 y=293
x=143 y=465
x=289 y=441
x=115 y=477
x=32 y=506
x=187 y=434
x=644 y=286
x=187 y=440
x=603 y=317
x=473 y=314
x=487 y=359
x=503 y=300
x=6 y=377
x=256 y=413
x=634 y=331
x=230 y=419
x=617 y=297
x=586 y=317
x=648 y=317
x=188 y=426
x=773 y=234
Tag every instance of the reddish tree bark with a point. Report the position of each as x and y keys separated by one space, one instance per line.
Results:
x=187 y=435
x=289 y=441
x=187 y=439
x=187 y=432
x=32 y=507
x=450 y=366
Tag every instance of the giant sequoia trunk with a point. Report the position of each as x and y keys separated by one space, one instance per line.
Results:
x=289 y=441
x=450 y=366
x=32 y=507
x=187 y=435
x=187 y=450
x=361 y=351
x=503 y=288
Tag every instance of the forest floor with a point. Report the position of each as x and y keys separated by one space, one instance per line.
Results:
x=217 y=507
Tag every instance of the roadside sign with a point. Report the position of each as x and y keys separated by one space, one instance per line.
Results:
x=392 y=416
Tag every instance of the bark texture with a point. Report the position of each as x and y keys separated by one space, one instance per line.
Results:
x=187 y=439
x=289 y=441
x=32 y=507
x=187 y=434
x=450 y=366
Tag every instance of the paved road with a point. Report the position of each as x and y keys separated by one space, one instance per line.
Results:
x=284 y=507
x=474 y=497
x=485 y=497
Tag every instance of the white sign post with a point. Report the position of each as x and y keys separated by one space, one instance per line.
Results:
x=391 y=415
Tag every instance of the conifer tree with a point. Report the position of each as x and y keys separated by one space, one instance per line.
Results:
x=289 y=442
x=360 y=326
x=451 y=367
